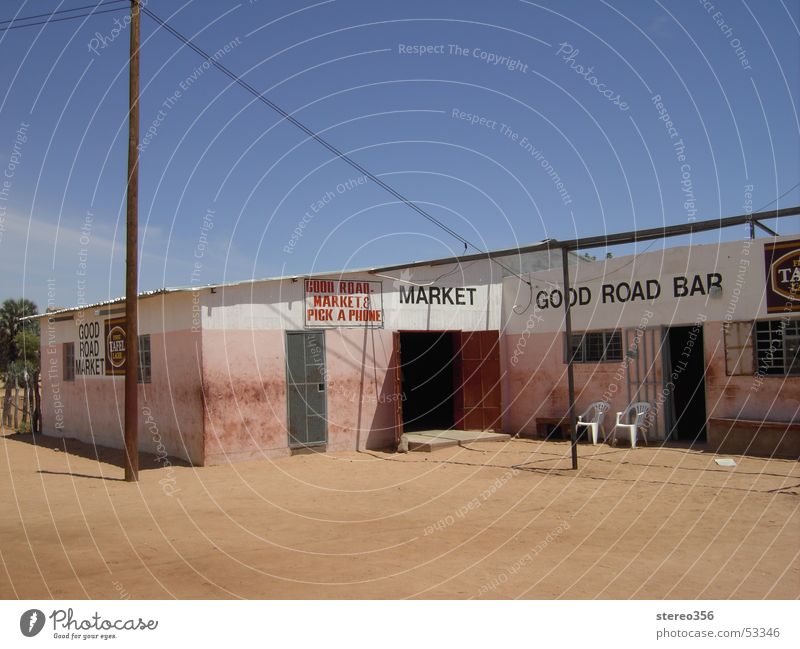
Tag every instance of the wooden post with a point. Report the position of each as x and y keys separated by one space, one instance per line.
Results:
x=25 y=397
x=131 y=261
x=573 y=437
x=36 y=424
x=16 y=403
x=7 y=401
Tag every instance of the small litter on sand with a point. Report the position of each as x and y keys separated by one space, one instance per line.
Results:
x=725 y=461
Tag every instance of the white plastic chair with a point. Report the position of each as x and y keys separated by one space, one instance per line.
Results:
x=639 y=410
x=593 y=419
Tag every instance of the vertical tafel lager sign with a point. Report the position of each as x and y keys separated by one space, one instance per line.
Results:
x=115 y=347
x=782 y=261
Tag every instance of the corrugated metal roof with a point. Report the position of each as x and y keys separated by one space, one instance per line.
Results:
x=94 y=305
x=543 y=246
x=372 y=270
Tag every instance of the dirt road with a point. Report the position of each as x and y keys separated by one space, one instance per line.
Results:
x=495 y=520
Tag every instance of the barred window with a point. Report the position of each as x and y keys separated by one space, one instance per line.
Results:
x=595 y=347
x=69 y=362
x=145 y=360
x=777 y=343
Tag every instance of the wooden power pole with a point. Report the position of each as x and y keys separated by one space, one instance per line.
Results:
x=131 y=262
x=573 y=434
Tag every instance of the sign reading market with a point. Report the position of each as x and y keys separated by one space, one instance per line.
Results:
x=343 y=303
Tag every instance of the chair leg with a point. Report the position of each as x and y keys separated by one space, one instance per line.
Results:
x=633 y=436
x=593 y=430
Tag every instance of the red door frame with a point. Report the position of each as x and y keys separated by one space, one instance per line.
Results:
x=480 y=380
x=476 y=379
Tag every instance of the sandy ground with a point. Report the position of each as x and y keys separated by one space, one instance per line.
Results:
x=495 y=520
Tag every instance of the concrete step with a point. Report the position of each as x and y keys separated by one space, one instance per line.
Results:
x=431 y=440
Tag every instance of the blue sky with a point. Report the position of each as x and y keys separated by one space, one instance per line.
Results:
x=509 y=121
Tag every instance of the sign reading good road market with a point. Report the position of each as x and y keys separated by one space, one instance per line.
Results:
x=782 y=263
x=89 y=359
x=115 y=347
x=343 y=303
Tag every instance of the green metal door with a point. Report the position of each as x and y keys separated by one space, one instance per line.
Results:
x=305 y=382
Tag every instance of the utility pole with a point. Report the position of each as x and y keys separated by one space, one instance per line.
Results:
x=131 y=262
x=573 y=434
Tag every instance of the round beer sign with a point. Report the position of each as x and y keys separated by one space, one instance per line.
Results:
x=115 y=341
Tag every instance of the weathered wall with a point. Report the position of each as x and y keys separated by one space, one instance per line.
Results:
x=361 y=391
x=91 y=408
x=244 y=358
x=244 y=383
x=536 y=380
x=537 y=383
x=771 y=398
x=218 y=390
x=279 y=304
x=759 y=438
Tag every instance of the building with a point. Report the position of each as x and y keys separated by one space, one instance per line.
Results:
x=707 y=334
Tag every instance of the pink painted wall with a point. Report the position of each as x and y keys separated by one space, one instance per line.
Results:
x=536 y=383
x=93 y=407
x=771 y=398
x=361 y=391
x=244 y=384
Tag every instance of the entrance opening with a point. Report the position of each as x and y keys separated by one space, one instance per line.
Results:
x=428 y=387
x=689 y=395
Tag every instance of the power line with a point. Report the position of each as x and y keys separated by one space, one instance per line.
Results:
x=63 y=11
x=796 y=185
x=312 y=134
x=57 y=20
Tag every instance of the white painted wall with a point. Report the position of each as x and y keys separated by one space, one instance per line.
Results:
x=740 y=265
x=163 y=314
x=279 y=304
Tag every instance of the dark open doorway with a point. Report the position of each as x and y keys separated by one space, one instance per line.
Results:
x=428 y=368
x=688 y=376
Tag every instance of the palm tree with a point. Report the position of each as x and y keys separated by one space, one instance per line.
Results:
x=19 y=358
x=10 y=313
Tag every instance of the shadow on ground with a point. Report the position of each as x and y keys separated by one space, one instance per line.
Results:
x=102 y=454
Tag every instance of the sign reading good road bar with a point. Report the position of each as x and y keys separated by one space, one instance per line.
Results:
x=343 y=303
x=115 y=347
x=782 y=263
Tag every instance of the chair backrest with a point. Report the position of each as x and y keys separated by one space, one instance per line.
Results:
x=594 y=413
x=640 y=409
